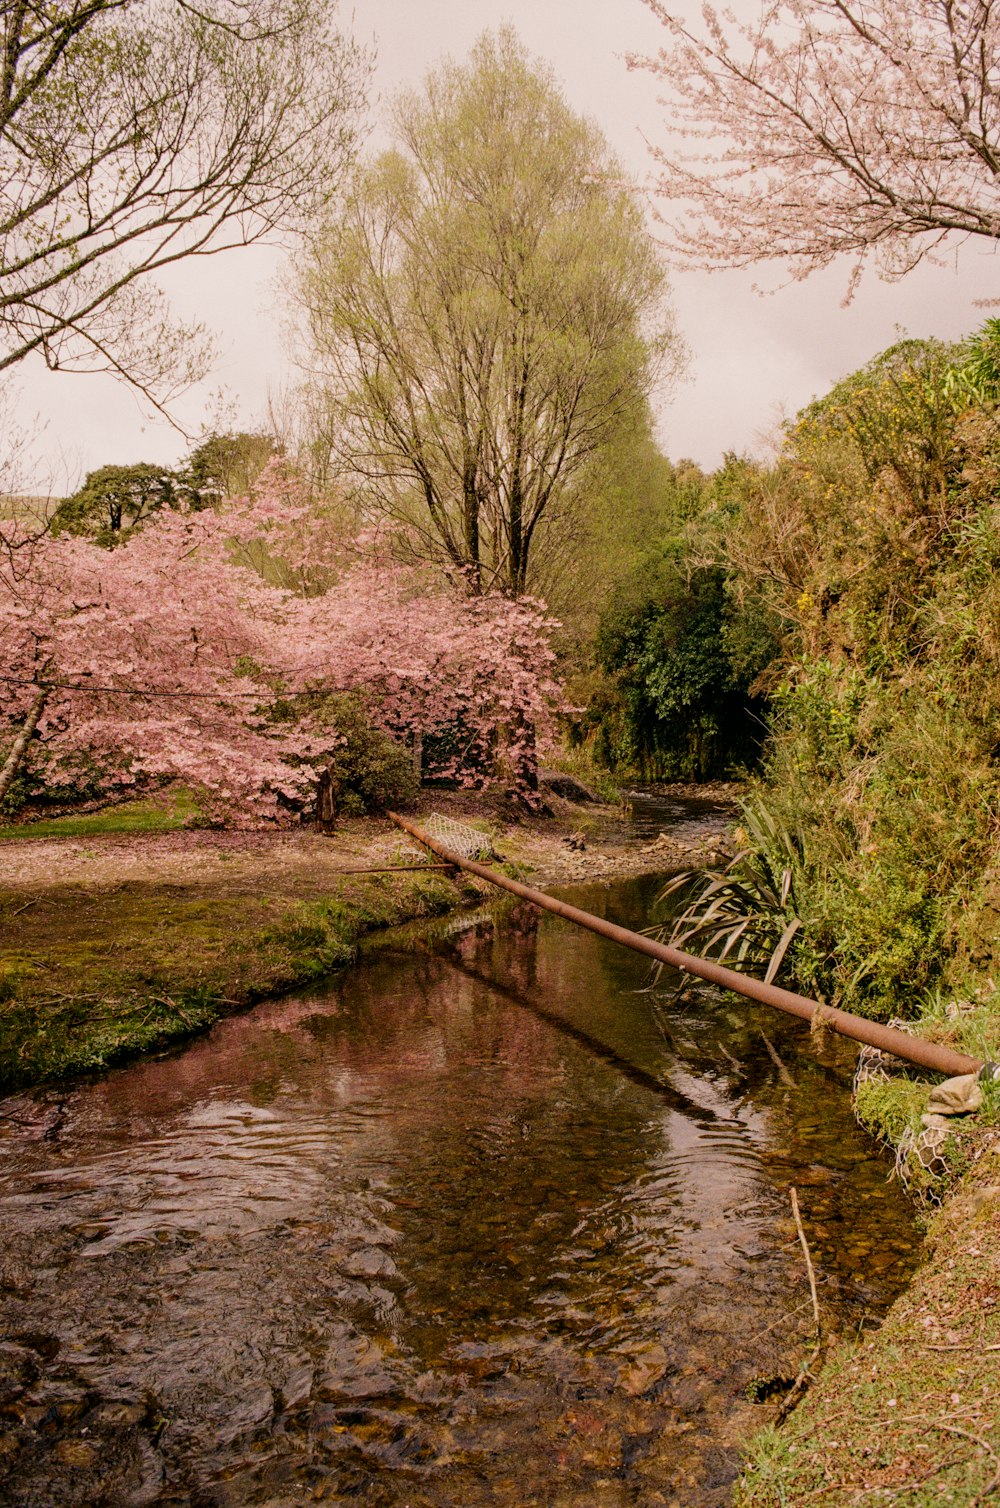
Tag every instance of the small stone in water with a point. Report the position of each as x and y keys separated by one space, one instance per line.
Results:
x=369 y=1262
x=644 y=1371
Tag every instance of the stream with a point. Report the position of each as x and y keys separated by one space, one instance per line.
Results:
x=484 y=1221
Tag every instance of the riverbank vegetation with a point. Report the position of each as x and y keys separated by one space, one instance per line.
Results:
x=830 y=618
x=909 y=1413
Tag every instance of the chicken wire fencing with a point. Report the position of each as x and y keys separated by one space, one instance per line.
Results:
x=461 y=839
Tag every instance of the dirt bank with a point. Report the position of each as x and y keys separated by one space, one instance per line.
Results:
x=575 y=842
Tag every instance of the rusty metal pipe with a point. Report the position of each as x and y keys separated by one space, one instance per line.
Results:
x=886 y=1038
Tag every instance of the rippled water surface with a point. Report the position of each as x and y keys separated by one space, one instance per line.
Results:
x=482 y=1223
x=647 y=814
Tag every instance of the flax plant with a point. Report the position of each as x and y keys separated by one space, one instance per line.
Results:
x=747 y=913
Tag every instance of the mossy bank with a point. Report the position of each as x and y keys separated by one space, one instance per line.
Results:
x=90 y=978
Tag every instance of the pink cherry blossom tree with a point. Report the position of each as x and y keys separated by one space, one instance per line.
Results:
x=865 y=127
x=176 y=655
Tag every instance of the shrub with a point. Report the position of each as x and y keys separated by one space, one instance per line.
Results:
x=370 y=769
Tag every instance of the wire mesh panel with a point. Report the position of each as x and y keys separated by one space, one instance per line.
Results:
x=462 y=839
x=873 y=1063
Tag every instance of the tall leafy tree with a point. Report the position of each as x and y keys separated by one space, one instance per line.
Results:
x=486 y=311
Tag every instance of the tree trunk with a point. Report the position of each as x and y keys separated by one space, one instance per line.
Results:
x=470 y=529
x=326 y=801
x=16 y=756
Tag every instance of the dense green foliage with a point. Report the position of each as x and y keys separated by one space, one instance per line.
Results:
x=369 y=769
x=226 y=465
x=875 y=541
x=838 y=609
x=676 y=691
x=684 y=657
x=115 y=499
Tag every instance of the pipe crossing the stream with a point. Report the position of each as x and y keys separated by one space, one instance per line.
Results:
x=886 y=1038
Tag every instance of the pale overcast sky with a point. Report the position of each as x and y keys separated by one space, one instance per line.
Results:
x=753 y=359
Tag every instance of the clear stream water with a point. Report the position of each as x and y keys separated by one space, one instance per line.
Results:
x=482 y=1222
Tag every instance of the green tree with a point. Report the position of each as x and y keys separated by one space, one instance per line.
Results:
x=227 y=465
x=486 y=310
x=115 y=499
x=863 y=502
x=683 y=656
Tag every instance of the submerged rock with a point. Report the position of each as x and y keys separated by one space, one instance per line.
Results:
x=643 y=1371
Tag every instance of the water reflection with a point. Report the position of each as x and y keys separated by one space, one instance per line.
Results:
x=485 y=1224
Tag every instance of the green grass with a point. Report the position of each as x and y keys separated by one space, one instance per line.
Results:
x=149 y=815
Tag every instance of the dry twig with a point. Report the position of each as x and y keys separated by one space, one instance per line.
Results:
x=805 y=1371
x=809 y=1262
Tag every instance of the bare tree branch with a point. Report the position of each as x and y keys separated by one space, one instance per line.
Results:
x=134 y=133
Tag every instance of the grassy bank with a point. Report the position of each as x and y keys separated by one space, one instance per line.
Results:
x=90 y=977
x=908 y=1415
x=165 y=811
